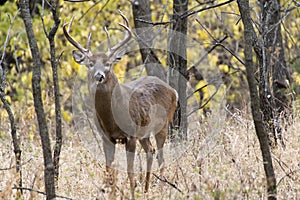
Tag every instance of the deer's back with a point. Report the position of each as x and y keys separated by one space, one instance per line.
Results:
x=151 y=101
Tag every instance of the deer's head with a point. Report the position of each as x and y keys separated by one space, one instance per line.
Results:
x=99 y=64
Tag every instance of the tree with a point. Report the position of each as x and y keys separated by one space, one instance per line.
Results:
x=177 y=59
x=38 y=103
x=14 y=135
x=256 y=104
x=54 y=65
x=274 y=74
x=142 y=18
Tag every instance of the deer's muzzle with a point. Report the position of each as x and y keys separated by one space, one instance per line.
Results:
x=99 y=77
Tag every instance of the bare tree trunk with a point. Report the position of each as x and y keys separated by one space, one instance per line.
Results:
x=250 y=40
x=38 y=104
x=274 y=66
x=177 y=60
x=141 y=13
x=266 y=95
x=15 y=138
x=54 y=64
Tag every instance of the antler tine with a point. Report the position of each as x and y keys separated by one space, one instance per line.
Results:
x=124 y=17
x=88 y=43
x=108 y=38
x=127 y=37
x=87 y=52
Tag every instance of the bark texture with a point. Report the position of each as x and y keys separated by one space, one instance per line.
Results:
x=54 y=65
x=177 y=60
x=141 y=15
x=38 y=103
x=275 y=76
x=250 y=36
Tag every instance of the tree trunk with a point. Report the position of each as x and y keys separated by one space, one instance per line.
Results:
x=250 y=39
x=274 y=65
x=14 y=135
x=38 y=104
x=177 y=60
x=54 y=65
x=142 y=12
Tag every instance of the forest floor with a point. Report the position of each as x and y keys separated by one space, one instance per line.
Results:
x=222 y=160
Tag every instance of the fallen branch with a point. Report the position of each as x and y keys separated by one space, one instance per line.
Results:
x=168 y=182
x=287 y=175
x=40 y=192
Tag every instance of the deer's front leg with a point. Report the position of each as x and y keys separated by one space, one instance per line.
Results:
x=109 y=151
x=130 y=152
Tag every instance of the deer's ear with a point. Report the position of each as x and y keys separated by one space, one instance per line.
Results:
x=80 y=57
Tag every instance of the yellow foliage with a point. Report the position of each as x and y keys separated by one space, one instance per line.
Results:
x=224 y=68
x=74 y=64
x=212 y=59
x=8 y=99
x=66 y=115
x=201 y=84
x=68 y=70
x=26 y=80
x=296 y=77
x=120 y=67
x=203 y=34
x=52 y=111
x=44 y=95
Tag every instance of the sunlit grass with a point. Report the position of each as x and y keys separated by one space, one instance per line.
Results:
x=222 y=164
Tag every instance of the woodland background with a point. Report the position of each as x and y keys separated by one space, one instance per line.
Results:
x=224 y=159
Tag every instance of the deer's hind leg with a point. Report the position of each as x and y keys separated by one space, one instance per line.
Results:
x=147 y=146
x=160 y=138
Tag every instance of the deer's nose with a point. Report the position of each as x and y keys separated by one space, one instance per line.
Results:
x=99 y=77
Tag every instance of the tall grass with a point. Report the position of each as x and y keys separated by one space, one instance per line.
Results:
x=222 y=161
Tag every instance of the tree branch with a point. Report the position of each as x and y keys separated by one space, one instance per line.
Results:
x=168 y=182
x=154 y=23
x=184 y=15
x=216 y=44
x=37 y=98
x=219 y=43
x=206 y=102
x=40 y=192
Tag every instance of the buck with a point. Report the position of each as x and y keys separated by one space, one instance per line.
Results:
x=126 y=112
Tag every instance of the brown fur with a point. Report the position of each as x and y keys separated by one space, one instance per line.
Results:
x=137 y=97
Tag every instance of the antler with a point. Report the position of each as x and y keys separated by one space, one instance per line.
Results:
x=85 y=51
x=127 y=37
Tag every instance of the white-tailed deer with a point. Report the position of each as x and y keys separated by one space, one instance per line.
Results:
x=126 y=112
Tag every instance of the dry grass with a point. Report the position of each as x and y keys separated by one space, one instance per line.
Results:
x=222 y=161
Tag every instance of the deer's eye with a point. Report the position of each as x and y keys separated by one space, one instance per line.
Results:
x=91 y=63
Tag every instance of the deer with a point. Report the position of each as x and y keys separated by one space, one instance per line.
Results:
x=128 y=112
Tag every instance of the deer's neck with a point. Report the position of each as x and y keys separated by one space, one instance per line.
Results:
x=104 y=97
